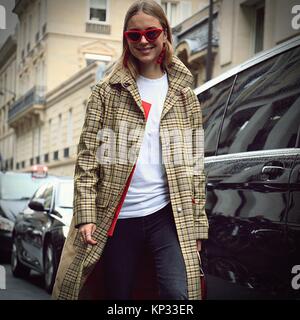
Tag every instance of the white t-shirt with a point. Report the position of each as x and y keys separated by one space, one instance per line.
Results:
x=148 y=191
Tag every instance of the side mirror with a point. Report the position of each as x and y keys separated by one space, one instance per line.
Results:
x=37 y=204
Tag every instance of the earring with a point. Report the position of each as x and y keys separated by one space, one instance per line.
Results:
x=161 y=56
x=126 y=56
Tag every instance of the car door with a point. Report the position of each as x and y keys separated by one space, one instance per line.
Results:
x=37 y=223
x=248 y=182
x=293 y=230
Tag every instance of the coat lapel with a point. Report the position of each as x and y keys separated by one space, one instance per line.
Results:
x=125 y=79
x=179 y=77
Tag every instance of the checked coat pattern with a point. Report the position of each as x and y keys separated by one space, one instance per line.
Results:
x=100 y=182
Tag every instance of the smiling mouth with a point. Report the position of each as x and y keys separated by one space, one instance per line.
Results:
x=144 y=49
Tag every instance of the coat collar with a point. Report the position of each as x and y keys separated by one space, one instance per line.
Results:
x=178 y=74
x=179 y=77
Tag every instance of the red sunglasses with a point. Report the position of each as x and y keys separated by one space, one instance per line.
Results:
x=136 y=35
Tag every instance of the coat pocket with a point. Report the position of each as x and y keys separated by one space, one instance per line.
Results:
x=104 y=195
x=102 y=200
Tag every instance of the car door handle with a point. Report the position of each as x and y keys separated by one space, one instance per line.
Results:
x=272 y=170
x=265 y=231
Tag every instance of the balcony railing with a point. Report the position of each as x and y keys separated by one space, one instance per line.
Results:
x=97 y=28
x=34 y=96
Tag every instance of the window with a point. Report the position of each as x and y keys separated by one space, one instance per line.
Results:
x=259 y=29
x=55 y=155
x=48 y=196
x=59 y=131
x=70 y=128
x=39 y=141
x=264 y=109
x=40 y=192
x=66 y=152
x=49 y=135
x=98 y=10
x=213 y=102
x=171 y=11
x=45 y=193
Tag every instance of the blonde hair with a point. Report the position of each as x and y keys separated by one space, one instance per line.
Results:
x=151 y=8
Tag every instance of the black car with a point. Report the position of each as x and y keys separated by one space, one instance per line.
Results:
x=41 y=229
x=15 y=191
x=251 y=117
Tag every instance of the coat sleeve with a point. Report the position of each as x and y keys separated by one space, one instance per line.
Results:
x=199 y=179
x=86 y=174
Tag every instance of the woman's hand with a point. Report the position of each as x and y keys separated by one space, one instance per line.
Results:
x=86 y=231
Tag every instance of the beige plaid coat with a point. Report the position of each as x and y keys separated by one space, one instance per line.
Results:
x=100 y=178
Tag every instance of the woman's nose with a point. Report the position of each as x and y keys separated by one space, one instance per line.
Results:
x=143 y=39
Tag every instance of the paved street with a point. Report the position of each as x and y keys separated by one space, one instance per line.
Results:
x=23 y=289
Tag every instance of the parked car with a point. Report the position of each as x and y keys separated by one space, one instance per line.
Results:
x=251 y=117
x=41 y=229
x=15 y=191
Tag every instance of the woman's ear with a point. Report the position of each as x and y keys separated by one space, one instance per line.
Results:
x=165 y=35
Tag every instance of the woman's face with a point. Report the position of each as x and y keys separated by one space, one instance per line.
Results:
x=146 y=52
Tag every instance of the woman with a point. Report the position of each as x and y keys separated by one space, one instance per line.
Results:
x=139 y=180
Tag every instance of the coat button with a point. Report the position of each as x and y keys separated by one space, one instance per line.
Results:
x=126 y=84
x=141 y=121
x=179 y=209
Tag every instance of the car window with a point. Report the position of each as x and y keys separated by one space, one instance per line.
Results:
x=213 y=103
x=39 y=194
x=47 y=195
x=65 y=194
x=19 y=186
x=264 y=108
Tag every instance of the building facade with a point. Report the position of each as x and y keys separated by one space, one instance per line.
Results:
x=241 y=29
x=7 y=98
x=61 y=48
x=61 y=51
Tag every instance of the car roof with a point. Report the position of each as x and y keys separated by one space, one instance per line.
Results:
x=262 y=56
x=49 y=178
x=29 y=174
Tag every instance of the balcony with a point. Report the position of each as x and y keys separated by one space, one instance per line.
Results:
x=31 y=105
x=97 y=28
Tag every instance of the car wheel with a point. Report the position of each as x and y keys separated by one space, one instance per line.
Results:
x=50 y=266
x=18 y=269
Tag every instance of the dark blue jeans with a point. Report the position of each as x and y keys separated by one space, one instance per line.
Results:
x=122 y=253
